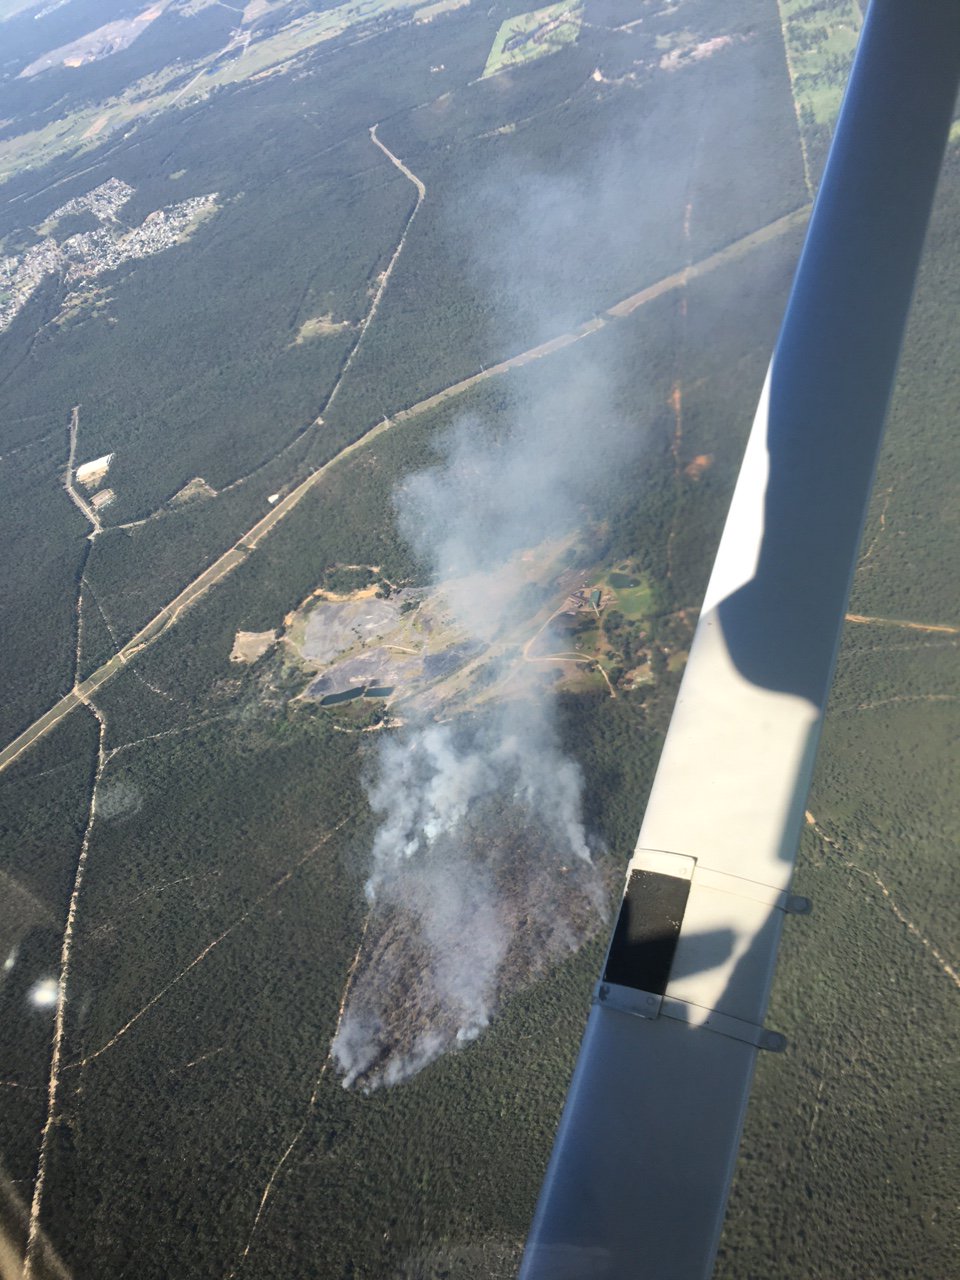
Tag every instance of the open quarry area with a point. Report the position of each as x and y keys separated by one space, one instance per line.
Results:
x=545 y=620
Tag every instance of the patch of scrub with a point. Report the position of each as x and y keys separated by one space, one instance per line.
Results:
x=195 y=488
x=684 y=54
x=698 y=465
x=90 y=298
x=527 y=36
x=251 y=645
x=118 y=799
x=319 y=327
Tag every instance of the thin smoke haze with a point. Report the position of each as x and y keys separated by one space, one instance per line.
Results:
x=481 y=873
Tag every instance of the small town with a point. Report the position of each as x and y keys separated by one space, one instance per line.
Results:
x=88 y=254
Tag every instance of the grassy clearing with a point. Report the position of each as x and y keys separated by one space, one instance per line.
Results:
x=636 y=602
x=820 y=37
x=634 y=592
x=318 y=326
x=251 y=645
x=431 y=11
x=533 y=35
x=820 y=40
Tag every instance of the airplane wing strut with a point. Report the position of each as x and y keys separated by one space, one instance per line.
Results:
x=644 y=1154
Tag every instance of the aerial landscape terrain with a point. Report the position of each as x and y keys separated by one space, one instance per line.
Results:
x=374 y=378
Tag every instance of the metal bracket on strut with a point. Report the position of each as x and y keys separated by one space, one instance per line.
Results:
x=681 y=866
x=726 y=882
x=637 y=971
x=647 y=1004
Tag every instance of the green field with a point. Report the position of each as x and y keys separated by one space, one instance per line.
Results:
x=534 y=35
x=635 y=594
x=820 y=37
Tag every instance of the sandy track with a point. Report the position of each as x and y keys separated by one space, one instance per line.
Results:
x=928 y=627
x=34 y=1233
x=74 y=494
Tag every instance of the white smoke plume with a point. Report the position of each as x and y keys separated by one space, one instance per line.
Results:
x=427 y=783
x=481 y=869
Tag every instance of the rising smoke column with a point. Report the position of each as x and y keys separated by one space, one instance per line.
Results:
x=481 y=870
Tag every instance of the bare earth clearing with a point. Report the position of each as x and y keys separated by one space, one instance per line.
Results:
x=318 y=327
x=251 y=645
x=931 y=627
x=410 y=647
x=195 y=488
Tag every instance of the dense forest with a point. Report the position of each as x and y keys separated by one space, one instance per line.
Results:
x=222 y=893
x=303 y=231
x=202 y=823
x=853 y=1130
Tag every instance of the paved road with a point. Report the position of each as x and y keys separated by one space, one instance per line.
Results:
x=244 y=546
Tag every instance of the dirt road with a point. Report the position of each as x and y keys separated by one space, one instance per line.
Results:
x=932 y=628
x=74 y=494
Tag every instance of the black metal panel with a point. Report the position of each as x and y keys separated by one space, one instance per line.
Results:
x=648 y=927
